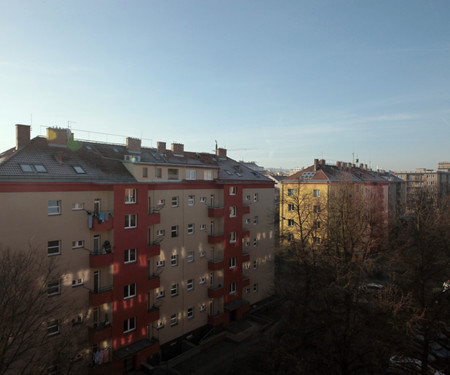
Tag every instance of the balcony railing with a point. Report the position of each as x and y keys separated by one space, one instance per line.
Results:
x=99 y=296
x=100 y=259
x=99 y=221
x=215 y=211
x=215 y=238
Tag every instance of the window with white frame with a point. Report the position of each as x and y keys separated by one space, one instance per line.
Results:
x=174 y=290
x=248 y=221
x=174 y=231
x=255 y=287
x=291 y=207
x=190 y=312
x=160 y=232
x=248 y=197
x=130 y=221
x=291 y=222
x=233 y=262
x=144 y=172
x=130 y=256
x=190 y=284
x=255 y=197
x=130 y=196
x=77 y=244
x=202 y=199
x=247 y=243
x=316 y=193
x=54 y=247
x=77 y=282
x=233 y=211
x=202 y=280
x=190 y=256
x=160 y=263
x=129 y=291
x=255 y=220
x=54 y=288
x=255 y=264
x=129 y=325
x=202 y=253
x=53 y=327
x=208 y=175
x=190 y=229
x=232 y=288
x=77 y=206
x=290 y=192
x=173 y=320
x=191 y=200
x=175 y=202
x=202 y=307
x=159 y=293
x=54 y=207
x=247 y=290
x=233 y=237
x=255 y=242
x=203 y=227
x=191 y=174
x=233 y=190
x=158 y=172
x=174 y=260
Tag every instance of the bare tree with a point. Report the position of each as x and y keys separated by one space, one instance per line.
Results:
x=35 y=336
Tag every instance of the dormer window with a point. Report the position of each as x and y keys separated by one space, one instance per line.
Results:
x=79 y=169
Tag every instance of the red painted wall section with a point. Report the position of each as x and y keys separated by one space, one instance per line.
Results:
x=136 y=272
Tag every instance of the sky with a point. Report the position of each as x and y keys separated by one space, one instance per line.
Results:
x=276 y=82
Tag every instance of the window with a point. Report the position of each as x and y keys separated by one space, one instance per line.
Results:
x=191 y=200
x=246 y=266
x=202 y=253
x=174 y=260
x=26 y=168
x=255 y=287
x=203 y=200
x=202 y=280
x=129 y=291
x=203 y=227
x=202 y=307
x=190 y=256
x=79 y=169
x=247 y=197
x=174 y=201
x=130 y=221
x=233 y=211
x=54 y=207
x=190 y=228
x=291 y=207
x=233 y=288
x=160 y=293
x=53 y=327
x=172 y=174
x=173 y=320
x=255 y=197
x=233 y=262
x=191 y=174
x=291 y=223
x=160 y=232
x=255 y=264
x=130 y=256
x=316 y=193
x=247 y=290
x=54 y=288
x=130 y=196
x=255 y=242
x=232 y=237
x=129 y=325
x=190 y=284
x=77 y=206
x=290 y=192
x=145 y=172
x=208 y=175
x=247 y=243
x=40 y=168
x=77 y=244
x=190 y=312
x=255 y=220
x=54 y=247
x=77 y=282
x=248 y=221
x=160 y=263
x=174 y=230
x=317 y=224
x=316 y=209
x=174 y=290
x=233 y=190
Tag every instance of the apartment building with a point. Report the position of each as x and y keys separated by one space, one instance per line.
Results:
x=306 y=196
x=155 y=245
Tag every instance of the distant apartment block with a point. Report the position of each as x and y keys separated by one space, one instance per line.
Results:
x=156 y=244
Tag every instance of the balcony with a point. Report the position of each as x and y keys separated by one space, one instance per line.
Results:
x=153 y=249
x=100 y=333
x=215 y=211
x=216 y=238
x=153 y=281
x=245 y=233
x=216 y=292
x=216 y=264
x=100 y=221
x=245 y=281
x=99 y=260
x=215 y=320
x=245 y=257
x=153 y=314
x=99 y=296
x=153 y=218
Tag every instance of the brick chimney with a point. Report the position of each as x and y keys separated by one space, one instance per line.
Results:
x=134 y=145
x=58 y=136
x=161 y=146
x=22 y=135
x=316 y=164
x=221 y=153
x=178 y=148
x=322 y=161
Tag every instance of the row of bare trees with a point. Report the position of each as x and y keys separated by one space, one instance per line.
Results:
x=369 y=296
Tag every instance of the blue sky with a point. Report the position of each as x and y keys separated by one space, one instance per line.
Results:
x=277 y=82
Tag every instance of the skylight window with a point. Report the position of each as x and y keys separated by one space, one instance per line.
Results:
x=26 y=168
x=40 y=168
x=79 y=169
x=228 y=172
x=308 y=175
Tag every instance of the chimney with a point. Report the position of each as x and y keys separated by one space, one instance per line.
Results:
x=316 y=164
x=134 y=145
x=161 y=147
x=221 y=153
x=338 y=164
x=58 y=136
x=361 y=166
x=322 y=162
x=178 y=149
x=22 y=135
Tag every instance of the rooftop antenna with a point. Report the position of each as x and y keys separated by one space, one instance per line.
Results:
x=69 y=124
